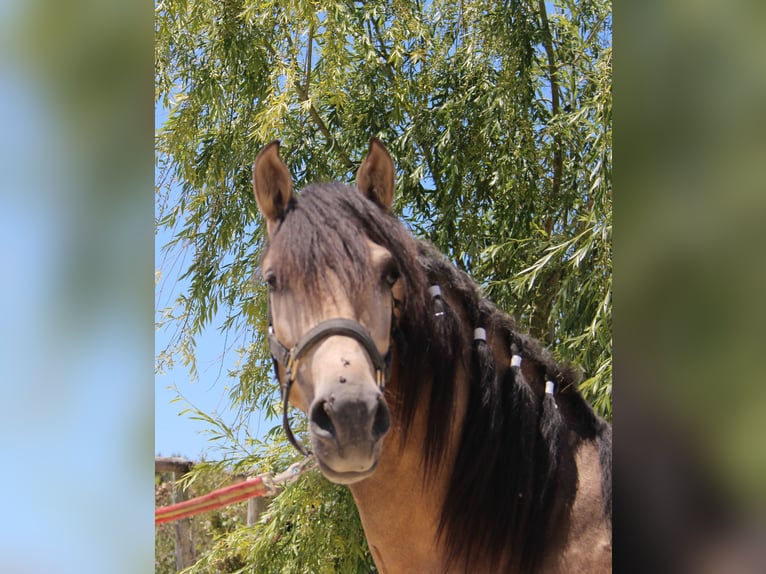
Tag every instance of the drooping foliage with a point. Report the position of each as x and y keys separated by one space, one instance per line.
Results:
x=498 y=115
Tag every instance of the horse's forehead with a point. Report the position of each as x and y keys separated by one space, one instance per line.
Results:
x=332 y=289
x=337 y=290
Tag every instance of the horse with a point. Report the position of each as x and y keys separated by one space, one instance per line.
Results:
x=466 y=446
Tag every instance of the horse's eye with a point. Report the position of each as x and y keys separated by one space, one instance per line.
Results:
x=271 y=280
x=391 y=274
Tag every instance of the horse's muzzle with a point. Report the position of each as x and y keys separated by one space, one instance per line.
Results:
x=347 y=426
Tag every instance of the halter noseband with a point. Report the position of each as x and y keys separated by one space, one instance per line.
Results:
x=289 y=358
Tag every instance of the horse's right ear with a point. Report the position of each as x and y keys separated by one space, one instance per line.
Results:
x=375 y=178
x=272 y=185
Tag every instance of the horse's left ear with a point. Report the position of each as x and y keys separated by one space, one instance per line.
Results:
x=375 y=178
x=272 y=185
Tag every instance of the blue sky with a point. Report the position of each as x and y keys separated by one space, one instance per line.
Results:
x=180 y=435
x=176 y=434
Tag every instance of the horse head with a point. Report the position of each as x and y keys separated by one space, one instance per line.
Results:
x=331 y=314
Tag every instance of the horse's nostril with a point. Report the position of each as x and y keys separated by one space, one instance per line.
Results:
x=320 y=416
x=382 y=421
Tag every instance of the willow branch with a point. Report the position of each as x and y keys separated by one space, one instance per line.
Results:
x=309 y=51
x=548 y=45
x=547 y=290
x=303 y=94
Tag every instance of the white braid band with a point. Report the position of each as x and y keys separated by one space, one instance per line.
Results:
x=479 y=334
x=516 y=361
x=549 y=387
x=435 y=291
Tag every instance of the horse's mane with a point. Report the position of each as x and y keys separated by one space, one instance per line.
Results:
x=514 y=477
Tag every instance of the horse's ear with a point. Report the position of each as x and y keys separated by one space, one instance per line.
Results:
x=272 y=185
x=375 y=178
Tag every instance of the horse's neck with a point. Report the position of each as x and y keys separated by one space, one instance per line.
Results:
x=399 y=510
x=399 y=516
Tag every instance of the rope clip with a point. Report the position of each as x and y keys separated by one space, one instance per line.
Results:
x=275 y=482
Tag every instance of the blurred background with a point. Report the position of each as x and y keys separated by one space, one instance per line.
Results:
x=690 y=209
x=76 y=257
x=76 y=261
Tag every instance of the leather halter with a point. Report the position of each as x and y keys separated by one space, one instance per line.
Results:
x=289 y=358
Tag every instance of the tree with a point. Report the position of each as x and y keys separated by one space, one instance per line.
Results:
x=499 y=117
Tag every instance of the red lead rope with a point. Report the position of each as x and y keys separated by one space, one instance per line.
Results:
x=216 y=499
x=262 y=485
